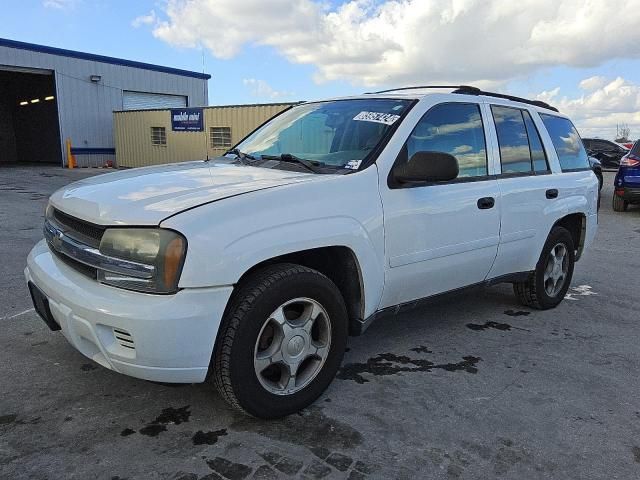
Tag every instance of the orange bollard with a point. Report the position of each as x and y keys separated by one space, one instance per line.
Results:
x=71 y=160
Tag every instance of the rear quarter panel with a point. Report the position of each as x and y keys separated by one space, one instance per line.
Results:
x=577 y=192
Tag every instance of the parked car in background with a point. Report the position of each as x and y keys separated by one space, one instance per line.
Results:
x=609 y=153
x=627 y=145
x=249 y=271
x=627 y=181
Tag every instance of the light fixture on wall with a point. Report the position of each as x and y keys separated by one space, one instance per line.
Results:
x=49 y=98
x=35 y=100
x=24 y=103
x=95 y=78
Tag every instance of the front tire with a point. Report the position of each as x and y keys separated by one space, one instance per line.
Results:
x=548 y=283
x=281 y=341
x=619 y=204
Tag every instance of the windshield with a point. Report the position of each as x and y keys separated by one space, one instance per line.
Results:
x=337 y=134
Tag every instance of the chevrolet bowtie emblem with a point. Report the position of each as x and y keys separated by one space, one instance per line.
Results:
x=57 y=239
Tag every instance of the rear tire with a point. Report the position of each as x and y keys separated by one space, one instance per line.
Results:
x=281 y=341
x=548 y=283
x=619 y=204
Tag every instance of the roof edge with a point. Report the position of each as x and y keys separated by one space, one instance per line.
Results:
x=5 y=42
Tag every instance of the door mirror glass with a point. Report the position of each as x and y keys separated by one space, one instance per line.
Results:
x=427 y=167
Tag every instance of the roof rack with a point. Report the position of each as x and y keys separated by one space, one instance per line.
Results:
x=469 y=90
x=423 y=86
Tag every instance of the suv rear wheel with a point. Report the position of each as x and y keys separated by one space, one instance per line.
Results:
x=281 y=341
x=619 y=204
x=548 y=283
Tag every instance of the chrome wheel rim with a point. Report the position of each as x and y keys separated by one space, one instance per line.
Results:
x=555 y=272
x=292 y=346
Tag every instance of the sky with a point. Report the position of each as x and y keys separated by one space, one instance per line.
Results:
x=582 y=56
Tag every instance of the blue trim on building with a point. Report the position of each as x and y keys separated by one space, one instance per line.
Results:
x=5 y=42
x=93 y=151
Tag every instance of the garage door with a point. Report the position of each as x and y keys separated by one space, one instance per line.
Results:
x=143 y=100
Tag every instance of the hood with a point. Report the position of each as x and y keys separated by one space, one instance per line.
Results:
x=146 y=196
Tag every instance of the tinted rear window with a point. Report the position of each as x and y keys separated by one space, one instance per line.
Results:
x=636 y=148
x=567 y=142
x=515 y=155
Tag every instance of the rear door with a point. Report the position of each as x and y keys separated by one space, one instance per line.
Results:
x=525 y=186
x=441 y=236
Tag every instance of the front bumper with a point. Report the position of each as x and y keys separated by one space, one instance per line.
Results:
x=165 y=338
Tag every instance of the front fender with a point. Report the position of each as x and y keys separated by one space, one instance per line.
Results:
x=242 y=254
x=229 y=237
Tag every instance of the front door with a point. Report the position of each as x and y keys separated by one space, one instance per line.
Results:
x=442 y=236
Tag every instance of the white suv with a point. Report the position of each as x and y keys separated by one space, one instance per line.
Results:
x=252 y=269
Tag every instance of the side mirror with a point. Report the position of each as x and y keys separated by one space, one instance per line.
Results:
x=427 y=167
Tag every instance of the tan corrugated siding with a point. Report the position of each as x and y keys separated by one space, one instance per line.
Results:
x=133 y=133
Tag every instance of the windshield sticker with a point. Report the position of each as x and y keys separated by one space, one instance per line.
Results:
x=353 y=164
x=377 y=117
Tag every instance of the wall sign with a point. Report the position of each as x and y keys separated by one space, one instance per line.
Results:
x=187 y=120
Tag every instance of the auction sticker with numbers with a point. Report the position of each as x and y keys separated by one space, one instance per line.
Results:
x=386 y=118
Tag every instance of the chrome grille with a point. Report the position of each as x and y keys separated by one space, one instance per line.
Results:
x=64 y=244
x=77 y=229
x=78 y=266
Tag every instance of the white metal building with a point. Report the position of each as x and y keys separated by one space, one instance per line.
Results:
x=50 y=95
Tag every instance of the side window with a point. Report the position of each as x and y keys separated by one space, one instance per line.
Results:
x=515 y=156
x=538 y=155
x=220 y=137
x=158 y=136
x=566 y=141
x=454 y=128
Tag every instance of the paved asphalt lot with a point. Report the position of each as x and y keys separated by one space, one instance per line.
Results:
x=474 y=386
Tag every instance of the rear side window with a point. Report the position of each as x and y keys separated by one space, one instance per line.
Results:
x=635 y=150
x=538 y=155
x=567 y=143
x=454 y=128
x=521 y=149
x=512 y=138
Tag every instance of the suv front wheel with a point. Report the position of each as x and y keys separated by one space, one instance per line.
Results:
x=548 y=283
x=281 y=341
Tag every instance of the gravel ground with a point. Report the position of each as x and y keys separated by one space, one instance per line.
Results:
x=473 y=386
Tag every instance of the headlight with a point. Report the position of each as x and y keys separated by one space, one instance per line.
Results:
x=163 y=250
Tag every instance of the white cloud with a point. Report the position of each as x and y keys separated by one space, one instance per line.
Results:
x=148 y=19
x=385 y=42
x=59 y=4
x=548 y=95
x=261 y=89
x=599 y=109
x=462 y=149
x=592 y=83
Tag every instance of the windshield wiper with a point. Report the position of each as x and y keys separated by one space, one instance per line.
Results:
x=287 y=157
x=241 y=155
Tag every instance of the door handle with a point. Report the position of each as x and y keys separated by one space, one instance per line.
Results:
x=486 y=202
x=552 y=193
